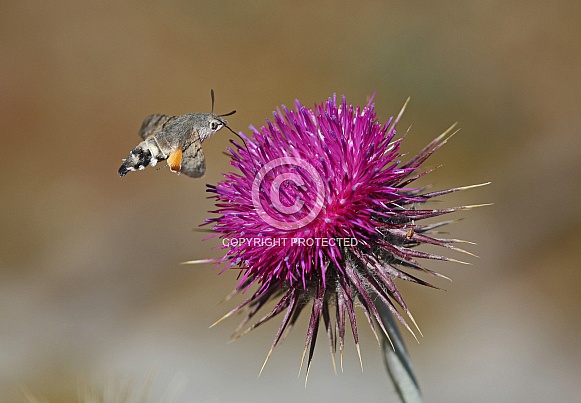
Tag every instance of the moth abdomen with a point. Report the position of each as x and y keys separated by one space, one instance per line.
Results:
x=146 y=153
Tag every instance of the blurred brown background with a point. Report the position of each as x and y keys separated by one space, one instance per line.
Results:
x=91 y=290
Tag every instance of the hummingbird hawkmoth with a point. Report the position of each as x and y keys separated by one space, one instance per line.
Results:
x=177 y=139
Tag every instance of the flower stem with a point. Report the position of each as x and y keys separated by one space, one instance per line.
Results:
x=397 y=362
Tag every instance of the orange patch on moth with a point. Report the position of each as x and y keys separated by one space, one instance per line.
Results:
x=175 y=160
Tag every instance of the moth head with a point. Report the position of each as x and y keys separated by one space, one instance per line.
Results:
x=216 y=123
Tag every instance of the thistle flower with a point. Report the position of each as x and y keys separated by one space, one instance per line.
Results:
x=323 y=211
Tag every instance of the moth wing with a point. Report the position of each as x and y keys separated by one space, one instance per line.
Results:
x=193 y=161
x=153 y=125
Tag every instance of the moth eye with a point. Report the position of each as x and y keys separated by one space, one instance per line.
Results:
x=215 y=125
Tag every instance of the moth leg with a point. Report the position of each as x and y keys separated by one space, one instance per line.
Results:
x=175 y=160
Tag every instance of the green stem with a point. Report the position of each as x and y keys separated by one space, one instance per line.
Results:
x=396 y=359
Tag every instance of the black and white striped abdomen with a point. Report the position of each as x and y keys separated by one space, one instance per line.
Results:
x=148 y=152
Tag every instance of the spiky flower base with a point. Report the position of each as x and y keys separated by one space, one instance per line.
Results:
x=351 y=159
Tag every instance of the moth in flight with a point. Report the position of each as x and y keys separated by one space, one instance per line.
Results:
x=177 y=139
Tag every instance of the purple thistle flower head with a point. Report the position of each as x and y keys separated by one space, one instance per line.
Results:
x=324 y=210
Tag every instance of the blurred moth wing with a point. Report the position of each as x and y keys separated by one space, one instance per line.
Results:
x=190 y=162
x=193 y=161
x=153 y=125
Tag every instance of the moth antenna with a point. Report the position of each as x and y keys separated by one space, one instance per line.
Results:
x=228 y=114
